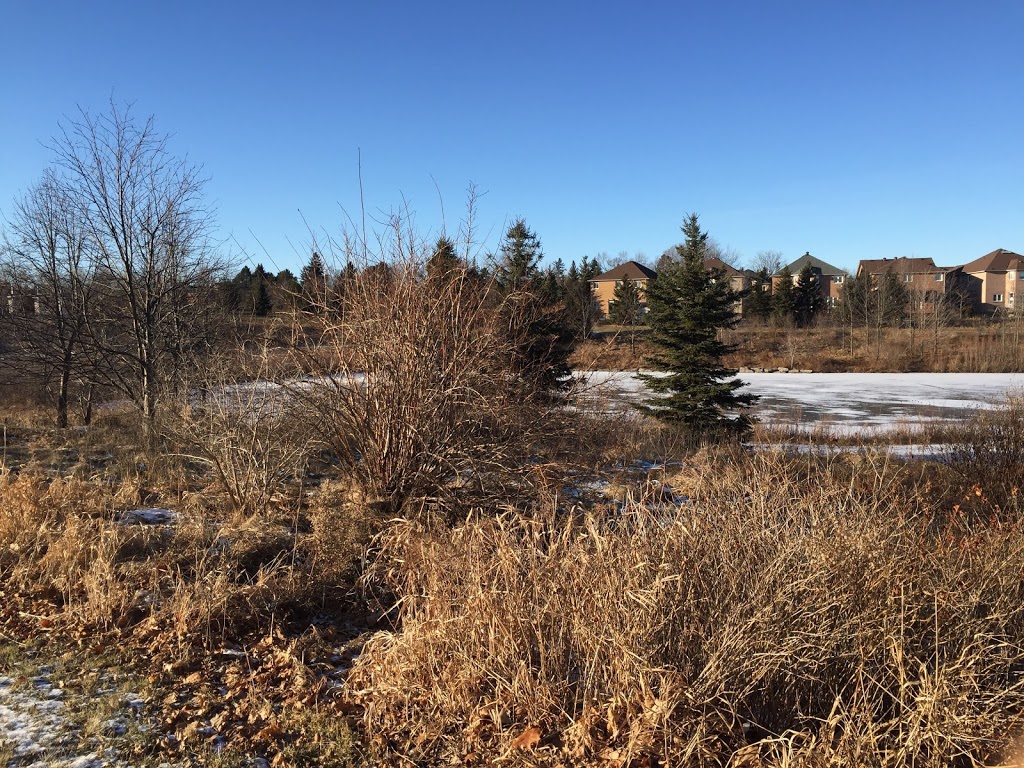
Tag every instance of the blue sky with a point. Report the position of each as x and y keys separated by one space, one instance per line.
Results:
x=853 y=130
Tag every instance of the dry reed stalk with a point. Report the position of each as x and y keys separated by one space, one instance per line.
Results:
x=772 y=620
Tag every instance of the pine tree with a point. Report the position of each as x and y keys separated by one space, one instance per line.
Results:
x=538 y=327
x=313 y=280
x=625 y=309
x=758 y=305
x=784 y=298
x=518 y=257
x=443 y=261
x=687 y=306
x=807 y=298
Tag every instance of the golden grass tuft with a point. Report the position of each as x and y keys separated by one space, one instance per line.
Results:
x=769 y=621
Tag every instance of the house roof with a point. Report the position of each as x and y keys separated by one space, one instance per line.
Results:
x=824 y=267
x=630 y=269
x=996 y=261
x=902 y=265
x=716 y=263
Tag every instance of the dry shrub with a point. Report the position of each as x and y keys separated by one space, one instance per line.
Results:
x=987 y=451
x=772 y=620
x=252 y=437
x=415 y=382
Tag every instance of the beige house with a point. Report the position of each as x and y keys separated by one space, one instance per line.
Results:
x=997 y=280
x=603 y=286
x=738 y=279
x=831 y=279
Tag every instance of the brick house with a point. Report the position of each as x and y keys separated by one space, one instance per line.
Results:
x=925 y=282
x=996 y=280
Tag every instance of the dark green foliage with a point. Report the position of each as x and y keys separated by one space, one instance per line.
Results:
x=758 y=305
x=626 y=308
x=580 y=308
x=893 y=300
x=518 y=258
x=688 y=305
x=249 y=292
x=877 y=301
x=443 y=261
x=807 y=299
x=313 y=280
x=856 y=301
x=536 y=319
x=784 y=298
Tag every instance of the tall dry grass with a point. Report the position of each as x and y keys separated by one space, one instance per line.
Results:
x=823 y=616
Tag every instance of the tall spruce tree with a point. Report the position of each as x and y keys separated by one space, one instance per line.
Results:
x=625 y=308
x=688 y=304
x=807 y=298
x=538 y=327
x=784 y=298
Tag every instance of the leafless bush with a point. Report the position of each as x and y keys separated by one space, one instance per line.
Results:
x=252 y=436
x=414 y=381
x=769 y=621
x=987 y=450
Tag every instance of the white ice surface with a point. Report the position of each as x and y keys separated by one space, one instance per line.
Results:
x=846 y=402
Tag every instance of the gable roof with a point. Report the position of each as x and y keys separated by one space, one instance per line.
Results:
x=902 y=265
x=716 y=263
x=630 y=269
x=822 y=266
x=996 y=261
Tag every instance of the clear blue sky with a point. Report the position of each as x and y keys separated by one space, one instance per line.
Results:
x=853 y=130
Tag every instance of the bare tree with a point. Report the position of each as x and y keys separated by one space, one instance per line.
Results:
x=767 y=263
x=46 y=248
x=147 y=223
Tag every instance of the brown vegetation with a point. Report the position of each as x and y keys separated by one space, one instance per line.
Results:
x=984 y=347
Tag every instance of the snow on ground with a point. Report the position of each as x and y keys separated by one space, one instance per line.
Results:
x=35 y=732
x=841 y=402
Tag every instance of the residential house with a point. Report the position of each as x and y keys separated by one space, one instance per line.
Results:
x=830 y=279
x=603 y=286
x=996 y=280
x=925 y=282
x=739 y=280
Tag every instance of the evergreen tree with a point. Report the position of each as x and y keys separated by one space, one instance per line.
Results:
x=807 y=298
x=892 y=300
x=262 y=305
x=688 y=305
x=313 y=280
x=538 y=326
x=518 y=257
x=580 y=308
x=784 y=298
x=443 y=261
x=758 y=305
x=626 y=309
x=855 y=301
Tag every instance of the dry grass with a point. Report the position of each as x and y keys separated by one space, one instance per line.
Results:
x=771 y=621
x=983 y=347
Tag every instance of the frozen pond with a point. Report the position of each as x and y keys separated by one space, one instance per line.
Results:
x=844 y=402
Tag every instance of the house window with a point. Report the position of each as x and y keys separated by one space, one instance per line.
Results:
x=1010 y=298
x=938 y=277
x=839 y=279
x=997 y=297
x=908 y=278
x=594 y=286
x=1020 y=275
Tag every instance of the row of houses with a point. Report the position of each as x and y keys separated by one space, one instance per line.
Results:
x=989 y=284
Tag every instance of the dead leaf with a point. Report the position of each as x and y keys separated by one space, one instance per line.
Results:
x=527 y=739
